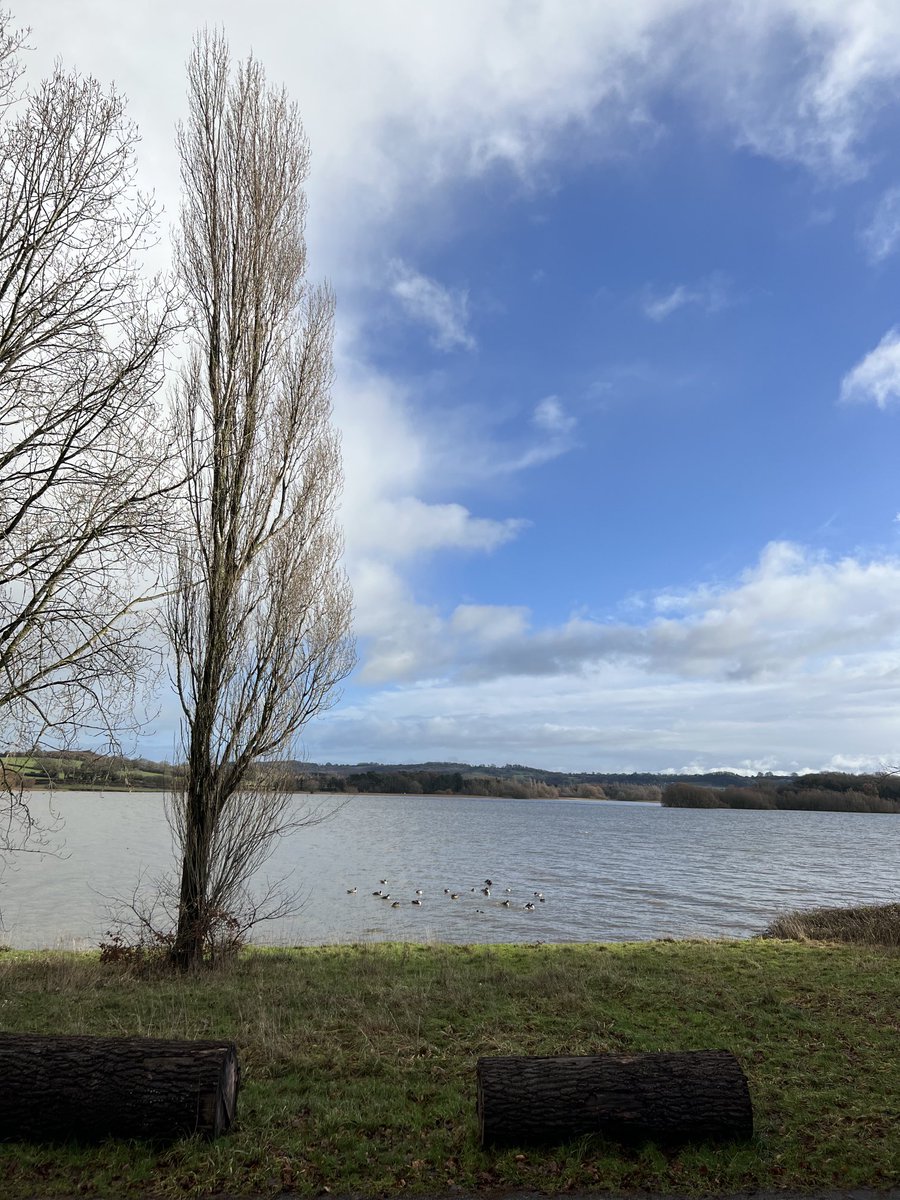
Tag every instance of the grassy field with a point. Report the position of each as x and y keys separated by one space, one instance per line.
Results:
x=359 y=1063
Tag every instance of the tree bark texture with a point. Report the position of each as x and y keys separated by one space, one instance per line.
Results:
x=699 y=1095
x=89 y=1088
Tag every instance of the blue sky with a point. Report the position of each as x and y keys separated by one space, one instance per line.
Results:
x=618 y=363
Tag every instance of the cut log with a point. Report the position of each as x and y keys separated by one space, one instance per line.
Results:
x=87 y=1088
x=699 y=1095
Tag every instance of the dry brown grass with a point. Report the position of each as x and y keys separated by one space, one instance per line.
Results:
x=863 y=925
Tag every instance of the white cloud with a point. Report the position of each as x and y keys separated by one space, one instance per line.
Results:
x=710 y=294
x=550 y=415
x=876 y=378
x=444 y=311
x=881 y=237
x=793 y=666
x=404 y=527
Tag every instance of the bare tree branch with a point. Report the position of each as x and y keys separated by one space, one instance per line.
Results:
x=84 y=478
x=259 y=615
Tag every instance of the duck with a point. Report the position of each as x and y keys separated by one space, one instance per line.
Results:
x=385 y=895
x=489 y=883
x=419 y=892
x=486 y=891
x=454 y=895
x=378 y=893
x=351 y=891
x=507 y=890
x=417 y=902
x=507 y=903
x=382 y=882
x=529 y=906
x=540 y=895
x=542 y=900
x=446 y=891
x=396 y=904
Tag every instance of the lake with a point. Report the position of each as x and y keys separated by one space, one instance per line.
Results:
x=608 y=871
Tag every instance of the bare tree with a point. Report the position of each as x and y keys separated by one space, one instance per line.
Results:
x=83 y=479
x=259 y=615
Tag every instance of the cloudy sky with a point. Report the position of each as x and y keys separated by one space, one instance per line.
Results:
x=618 y=362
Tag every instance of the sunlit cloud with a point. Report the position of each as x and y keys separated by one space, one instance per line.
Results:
x=876 y=378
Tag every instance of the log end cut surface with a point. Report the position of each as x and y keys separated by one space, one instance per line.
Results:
x=86 y=1088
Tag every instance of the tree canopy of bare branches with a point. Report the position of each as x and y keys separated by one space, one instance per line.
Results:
x=83 y=476
x=259 y=613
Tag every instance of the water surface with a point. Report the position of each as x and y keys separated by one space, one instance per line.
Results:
x=608 y=871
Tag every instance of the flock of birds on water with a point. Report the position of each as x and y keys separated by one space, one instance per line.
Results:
x=482 y=890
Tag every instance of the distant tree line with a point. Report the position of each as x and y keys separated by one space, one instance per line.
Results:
x=517 y=786
x=827 y=791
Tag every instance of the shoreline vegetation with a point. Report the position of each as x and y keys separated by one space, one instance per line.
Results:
x=826 y=791
x=83 y=770
x=375 y=1094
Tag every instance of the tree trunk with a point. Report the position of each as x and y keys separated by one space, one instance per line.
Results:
x=88 y=1088
x=699 y=1095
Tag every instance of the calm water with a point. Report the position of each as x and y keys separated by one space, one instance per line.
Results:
x=608 y=871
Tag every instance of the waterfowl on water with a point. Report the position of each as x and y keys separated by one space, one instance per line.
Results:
x=446 y=891
x=351 y=891
x=486 y=891
x=396 y=904
x=529 y=906
x=489 y=883
x=507 y=889
x=418 y=902
x=419 y=892
x=454 y=895
x=382 y=882
x=385 y=895
x=542 y=900
x=507 y=903
x=378 y=893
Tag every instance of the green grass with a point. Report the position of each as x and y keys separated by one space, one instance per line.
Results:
x=359 y=1063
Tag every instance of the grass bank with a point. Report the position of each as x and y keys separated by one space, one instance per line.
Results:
x=359 y=1063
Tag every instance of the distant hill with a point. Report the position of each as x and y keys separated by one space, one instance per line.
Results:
x=85 y=769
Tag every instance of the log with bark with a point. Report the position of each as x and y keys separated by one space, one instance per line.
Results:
x=699 y=1095
x=88 y=1088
